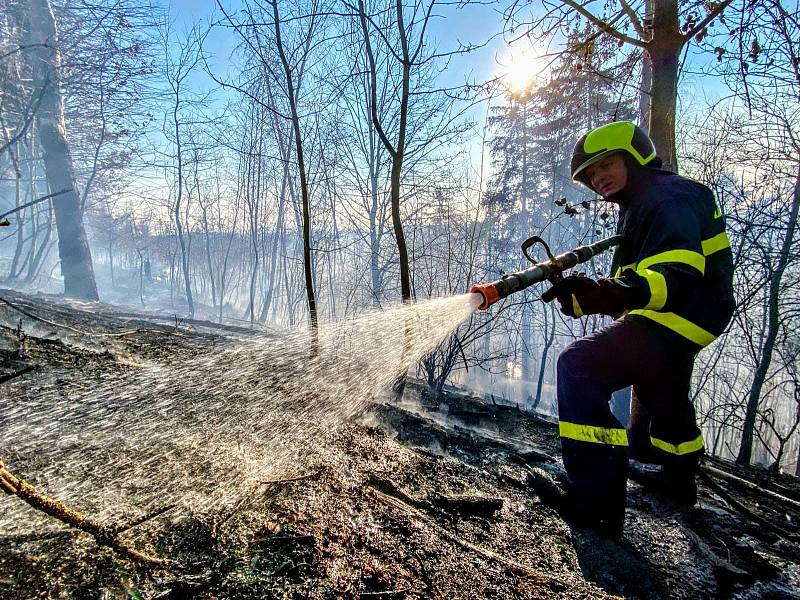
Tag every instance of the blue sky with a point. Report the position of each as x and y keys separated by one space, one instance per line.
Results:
x=476 y=23
x=480 y=23
x=471 y=24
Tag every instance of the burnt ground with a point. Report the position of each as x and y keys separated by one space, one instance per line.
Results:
x=421 y=499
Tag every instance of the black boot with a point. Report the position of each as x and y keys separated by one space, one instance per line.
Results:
x=603 y=510
x=671 y=483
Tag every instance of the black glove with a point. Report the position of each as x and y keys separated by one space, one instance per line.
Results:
x=579 y=295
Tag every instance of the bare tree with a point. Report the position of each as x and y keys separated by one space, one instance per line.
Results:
x=180 y=61
x=292 y=96
x=73 y=246
x=661 y=37
x=407 y=58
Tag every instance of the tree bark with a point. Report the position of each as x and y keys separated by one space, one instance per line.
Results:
x=301 y=167
x=396 y=151
x=73 y=247
x=773 y=328
x=646 y=80
x=177 y=214
x=664 y=52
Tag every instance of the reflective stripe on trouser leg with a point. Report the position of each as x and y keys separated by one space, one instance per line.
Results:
x=593 y=443
x=674 y=437
x=678 y=444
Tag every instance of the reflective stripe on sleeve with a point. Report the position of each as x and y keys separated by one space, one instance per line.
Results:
x=621 y=270
x=685 y=257
x=679 y=325
x=716 y=243
x=576 y=308
x=658 y=288
x=694 y=445
x=590 y=433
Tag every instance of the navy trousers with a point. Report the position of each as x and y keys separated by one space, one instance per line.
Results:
x=658 y=364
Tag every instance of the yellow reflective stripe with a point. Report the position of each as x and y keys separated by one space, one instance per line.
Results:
x=576 y=308
x=716 y=243
x=680 y=449
x=686 y=257
x=590 y=433
x=679 y=325
x=658 y=289
x=717 y=212
x=622 y=269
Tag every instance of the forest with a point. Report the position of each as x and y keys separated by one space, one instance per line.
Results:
x=276 y=168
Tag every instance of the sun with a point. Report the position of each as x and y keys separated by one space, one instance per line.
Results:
x=521 y=68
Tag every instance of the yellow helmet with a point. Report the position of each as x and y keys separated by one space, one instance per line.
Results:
x=620 y=136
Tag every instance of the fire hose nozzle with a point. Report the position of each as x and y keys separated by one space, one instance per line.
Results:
x=488 y=291
x=549 y=269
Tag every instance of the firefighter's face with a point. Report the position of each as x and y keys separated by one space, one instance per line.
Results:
x=608 y=176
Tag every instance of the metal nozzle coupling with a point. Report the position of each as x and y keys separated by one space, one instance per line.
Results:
x=488 y=291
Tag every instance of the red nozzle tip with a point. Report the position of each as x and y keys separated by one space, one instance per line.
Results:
x=489 y=293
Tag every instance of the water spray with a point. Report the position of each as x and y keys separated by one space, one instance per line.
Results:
x=201 y=431
x=551 y=269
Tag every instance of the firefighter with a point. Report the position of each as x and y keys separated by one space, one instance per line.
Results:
x=671 y=294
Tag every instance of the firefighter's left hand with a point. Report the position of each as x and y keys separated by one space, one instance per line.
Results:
x=579 y=295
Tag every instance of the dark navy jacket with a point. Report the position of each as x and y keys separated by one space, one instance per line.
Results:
x=676 y=265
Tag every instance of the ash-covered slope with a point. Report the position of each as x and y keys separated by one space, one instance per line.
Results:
x=418 y=499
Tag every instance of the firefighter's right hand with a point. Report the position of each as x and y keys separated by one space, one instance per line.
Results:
x=579 y=295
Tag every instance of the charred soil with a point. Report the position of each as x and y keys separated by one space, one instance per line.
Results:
x=425 y=498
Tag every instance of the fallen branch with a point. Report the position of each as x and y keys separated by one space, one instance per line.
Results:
x=22 y=371
x=734 y=503
x=290 y=479
x=748 y=485
x=469 y=506
x=143 y=519
x=103 y=534
x=80 y=331
x=187 y=321
x=510 y=565
x=385 y=594
x=390 y=488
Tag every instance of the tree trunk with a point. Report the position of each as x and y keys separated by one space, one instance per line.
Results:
x=644 y=91
x=111 y=261
x=73 y=247
x=208 y=258
x=178 y=225
x=272 y=284
x=374 y=234
x=301 y=167
x=36 y=259
x=549 y=336
x=12 y=272
x=773 y=328
x=664 y=51
x=397 y=224
x=647 y=71
x=396 y=151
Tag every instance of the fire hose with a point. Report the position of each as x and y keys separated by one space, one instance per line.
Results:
x=550 y=270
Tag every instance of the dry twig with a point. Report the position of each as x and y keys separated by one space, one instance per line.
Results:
x=749 y=485
x=510 y=565
x=115 y=334
x=22 y=371
x=734 y=503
